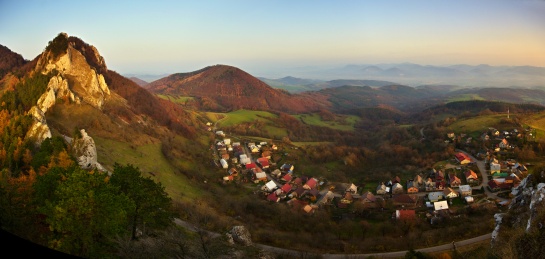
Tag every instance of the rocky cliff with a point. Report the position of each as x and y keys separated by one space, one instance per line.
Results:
x=520 y=231
x=74 y=80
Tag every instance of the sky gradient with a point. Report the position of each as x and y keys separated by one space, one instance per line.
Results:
x=258 y=36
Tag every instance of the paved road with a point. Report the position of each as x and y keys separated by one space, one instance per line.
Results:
x=302 y=254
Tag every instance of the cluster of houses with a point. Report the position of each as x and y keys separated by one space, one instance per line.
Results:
x=505 y=174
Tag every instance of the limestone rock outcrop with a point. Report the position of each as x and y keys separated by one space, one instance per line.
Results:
x=528 y=200
x=82 y=81
x=39 y=130
x=74 y=81
x=241 y=235
x=85 y=151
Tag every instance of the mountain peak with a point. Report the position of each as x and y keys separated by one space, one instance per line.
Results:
x=77 y=63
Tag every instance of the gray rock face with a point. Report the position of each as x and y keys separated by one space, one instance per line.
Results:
x=85 y=151
x=241 y=235
x=527 y=200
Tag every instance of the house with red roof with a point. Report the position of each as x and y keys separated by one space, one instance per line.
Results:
x=286 y=188
x=311 y=183
x=251 y=166
x=471 y=177
x=462 y=158
x=264 y=162
x=286 y=178
x=273 y=197
x=405 y=214
x=454 y=181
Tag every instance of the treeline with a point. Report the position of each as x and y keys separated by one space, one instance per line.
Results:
x=80 y=212
x=9 y=61
x=477 y=107
x=25 y=93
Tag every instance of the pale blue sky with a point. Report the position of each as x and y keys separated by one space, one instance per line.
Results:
x=179 y=36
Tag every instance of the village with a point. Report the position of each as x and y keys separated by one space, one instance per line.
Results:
x=433 y=195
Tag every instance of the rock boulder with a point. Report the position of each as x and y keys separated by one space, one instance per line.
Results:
x=241 y=235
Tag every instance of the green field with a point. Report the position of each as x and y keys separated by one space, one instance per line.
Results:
x=315 y=120
x=176 y=99
x=241 y=116
x=465 y=97
x=476 y=124
x=148 y=158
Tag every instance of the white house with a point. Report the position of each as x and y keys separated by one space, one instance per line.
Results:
x=227 y=141
x=270 y=186
x=224 y=163
x=440 y=205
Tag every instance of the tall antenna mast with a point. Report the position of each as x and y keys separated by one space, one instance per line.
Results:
x=507 y=112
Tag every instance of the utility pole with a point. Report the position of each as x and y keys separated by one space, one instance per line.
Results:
x=507 y=112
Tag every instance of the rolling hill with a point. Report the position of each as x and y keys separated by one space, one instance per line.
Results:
x=225 y=88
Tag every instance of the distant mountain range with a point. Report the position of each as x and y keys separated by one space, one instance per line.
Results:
x=415 y=75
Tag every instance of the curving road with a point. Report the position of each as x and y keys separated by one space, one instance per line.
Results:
x=302 y=254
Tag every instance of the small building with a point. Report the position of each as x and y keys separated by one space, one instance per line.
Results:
x=311 y=183
x=308 y=209
x=412 y=186
x=276 y=173
x=287 y=168
x=286 y=188
x=450 y=193
x=261 y=176
x=494 y=167
x=435 y=196
x=224 y=163
x=273 y=197
x=454 y=181
x=405 y=214
x=382 y=189
x=367 y=197
x=471 y=177
x=465 y=190
x=270 y=186
x=462 y=158
x=286 y=178
x=264 y=162
x=397 y=188
x=405 y=200
x=469 y=199
x=440 y=205
x=233 y=171
x=352 y=188
x=227 y=141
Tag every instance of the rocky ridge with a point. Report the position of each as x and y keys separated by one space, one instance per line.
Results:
x=75 y=81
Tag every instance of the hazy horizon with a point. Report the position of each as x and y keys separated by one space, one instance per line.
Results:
x=266 y=38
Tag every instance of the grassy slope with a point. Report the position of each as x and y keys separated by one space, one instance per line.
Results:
x=176 y=99
x=316 y=120
x=476 y=124
x=149 y=159
x=537 y=121
x=242 y=116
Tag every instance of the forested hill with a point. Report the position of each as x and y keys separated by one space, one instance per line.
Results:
x=223 y=88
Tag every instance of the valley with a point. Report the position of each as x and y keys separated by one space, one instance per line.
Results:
x=336 y=167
